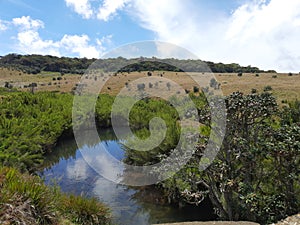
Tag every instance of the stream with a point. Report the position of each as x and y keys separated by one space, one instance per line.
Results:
x=66 y=167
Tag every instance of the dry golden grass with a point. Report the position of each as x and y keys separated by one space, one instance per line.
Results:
x=44 y=80
x=284 y=87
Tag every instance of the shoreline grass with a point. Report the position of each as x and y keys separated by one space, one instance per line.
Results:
x=25 y=199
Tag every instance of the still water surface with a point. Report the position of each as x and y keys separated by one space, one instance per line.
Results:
x=67 y=167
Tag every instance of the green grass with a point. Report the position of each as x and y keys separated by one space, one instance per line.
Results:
x=25 y=199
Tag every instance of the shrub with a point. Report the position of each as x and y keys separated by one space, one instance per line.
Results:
x=268 y=88
x=274 y=76
x=213 y=83
x=141 y=87
x=82 y=210
x=196 y=89
x=168 y=86
x=8 y=85
x=254 y=91
x=25 y=199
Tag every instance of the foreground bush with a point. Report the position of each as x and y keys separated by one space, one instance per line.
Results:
x=24 y=199
x=81 y=210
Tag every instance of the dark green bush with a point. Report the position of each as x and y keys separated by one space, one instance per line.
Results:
x=268 y=88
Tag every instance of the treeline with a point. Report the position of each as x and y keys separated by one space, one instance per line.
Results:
x=34 y=64
x=37 y=63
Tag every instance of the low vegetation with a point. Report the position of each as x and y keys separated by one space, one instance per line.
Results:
x=30 y=126
x=25 y=199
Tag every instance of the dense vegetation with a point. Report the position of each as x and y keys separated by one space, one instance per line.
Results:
x=30 y=125
x=256 y=174
x=37 y=63
x=25 y=199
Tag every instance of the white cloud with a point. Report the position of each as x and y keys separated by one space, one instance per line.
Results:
x=79 y=44
x=269 y=32
x=26 y=23
x=104 y=41
x=29 y=41
x=3 y=25
x=78 y=171
x=82 y=7
x=169 y=19
x=109 y=8
x=261 y=33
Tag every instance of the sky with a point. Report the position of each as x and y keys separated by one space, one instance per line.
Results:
x=262 y=33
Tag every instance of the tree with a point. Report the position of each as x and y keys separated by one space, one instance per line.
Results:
x=255 y=153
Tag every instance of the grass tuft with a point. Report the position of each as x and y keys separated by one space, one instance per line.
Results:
x=25 y=199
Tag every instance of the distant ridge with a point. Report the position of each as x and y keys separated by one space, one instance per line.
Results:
x=37 y=63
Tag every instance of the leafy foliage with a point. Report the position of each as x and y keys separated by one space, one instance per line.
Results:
x=30 y=124
x=256 y=174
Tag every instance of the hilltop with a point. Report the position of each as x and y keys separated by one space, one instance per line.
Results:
x=38 y=63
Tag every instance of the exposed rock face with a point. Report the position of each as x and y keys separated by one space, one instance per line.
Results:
x=292 y=220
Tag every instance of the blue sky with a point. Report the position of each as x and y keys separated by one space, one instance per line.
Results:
x=250 y=32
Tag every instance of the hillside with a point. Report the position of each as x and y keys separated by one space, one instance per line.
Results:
x=38 y=63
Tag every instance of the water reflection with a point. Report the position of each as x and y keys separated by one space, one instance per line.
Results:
x=129 y=206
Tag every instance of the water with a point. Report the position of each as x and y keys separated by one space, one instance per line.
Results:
x=67 y=167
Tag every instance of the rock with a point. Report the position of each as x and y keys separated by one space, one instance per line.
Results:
x=292 y=220
x=213 y=223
